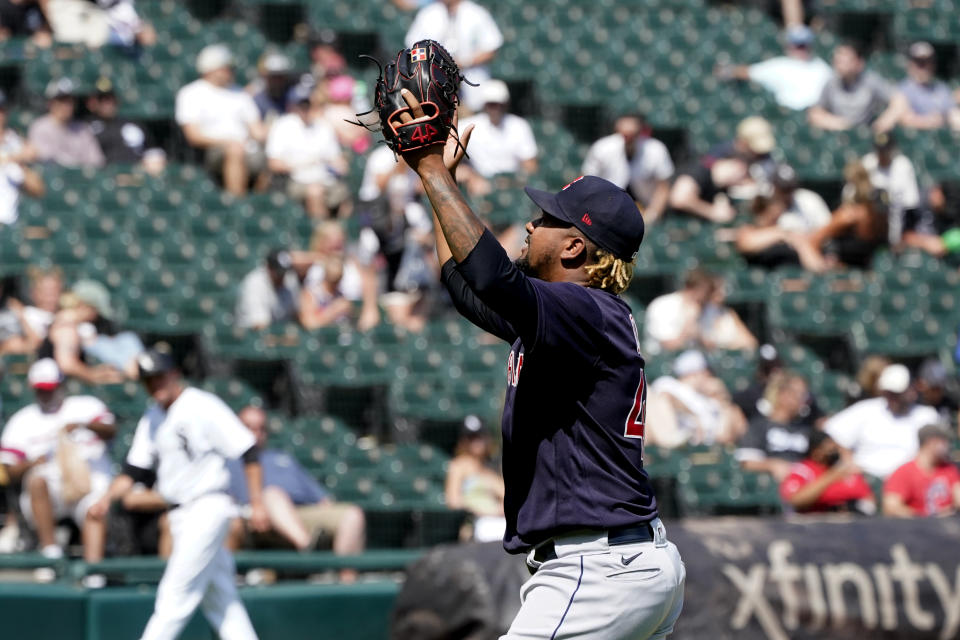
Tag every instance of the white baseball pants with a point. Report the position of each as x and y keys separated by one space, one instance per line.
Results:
x=593 y=591
x=201 y=573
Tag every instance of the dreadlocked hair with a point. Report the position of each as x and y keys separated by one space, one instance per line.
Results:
x=608 y=272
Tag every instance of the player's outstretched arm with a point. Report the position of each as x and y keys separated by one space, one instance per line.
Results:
x=460 y=225
x=453 y=152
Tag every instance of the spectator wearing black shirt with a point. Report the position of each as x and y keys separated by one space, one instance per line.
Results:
x=122 y=141
x=24 y=18
x=270 y=90
x=778 y=439
x=935 y=228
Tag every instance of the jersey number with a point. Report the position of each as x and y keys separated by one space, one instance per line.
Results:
x=423 y=133
x=638 y=413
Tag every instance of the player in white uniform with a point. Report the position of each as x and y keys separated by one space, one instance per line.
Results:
x=29 y=448
x=183 y=441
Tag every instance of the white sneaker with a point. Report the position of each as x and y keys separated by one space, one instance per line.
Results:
x=52 y=552
x=94 y=581
x=9 y=536
x=44 y=574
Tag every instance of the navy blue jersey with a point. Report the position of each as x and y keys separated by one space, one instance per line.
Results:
x=574 y=410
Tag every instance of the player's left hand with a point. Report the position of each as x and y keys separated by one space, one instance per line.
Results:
x=259 y=520
x=452 y=151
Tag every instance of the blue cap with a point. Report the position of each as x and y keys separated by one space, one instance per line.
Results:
x=601 y=210
x=800 y=35
x=299 y=93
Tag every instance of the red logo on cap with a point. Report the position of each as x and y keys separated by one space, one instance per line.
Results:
x=570 y=183
x=586 y=219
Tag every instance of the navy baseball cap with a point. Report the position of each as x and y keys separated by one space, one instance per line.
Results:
x=601 y=210
x=154 y=362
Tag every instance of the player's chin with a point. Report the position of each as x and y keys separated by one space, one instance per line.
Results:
x=523 y=263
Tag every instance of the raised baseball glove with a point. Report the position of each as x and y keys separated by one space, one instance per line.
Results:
x=428 y=71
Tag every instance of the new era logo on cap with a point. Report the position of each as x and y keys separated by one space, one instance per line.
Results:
x=418 y=55
x=586 y=220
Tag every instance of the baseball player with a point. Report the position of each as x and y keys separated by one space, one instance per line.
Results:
x=58 y=447
x=183 y=441
x=578 y=501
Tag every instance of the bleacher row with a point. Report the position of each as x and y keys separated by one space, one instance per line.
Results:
x=172 y=249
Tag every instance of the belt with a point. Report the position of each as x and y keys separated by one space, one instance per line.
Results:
x=177 y=505
x=615 y=535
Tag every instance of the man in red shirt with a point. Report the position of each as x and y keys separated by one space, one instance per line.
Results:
x=823 y=481
x=928 y=485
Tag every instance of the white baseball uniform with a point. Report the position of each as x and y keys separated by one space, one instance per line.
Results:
x=188 y=445
x=31 y=434
x=595 y=591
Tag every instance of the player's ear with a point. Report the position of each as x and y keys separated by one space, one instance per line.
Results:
x=574 y=247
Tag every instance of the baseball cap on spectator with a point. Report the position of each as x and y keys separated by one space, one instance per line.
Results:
x=689 y=362
x=275 y=62
x=933 y=372
x=895 y=378
x=340 y=88
x=94 y=294
x=785 y=178
x=472 y=426
x=884 y=141
x=932 y=431
x=495 y=92
x=60 y=88
x=757 y=134
x=44 y=374
x=279 y=260
x=800 y=36
x=213 y=57
x=921 y=51
x=324 y=38
x=154 y=362
x=299 y=94
x=104 y=87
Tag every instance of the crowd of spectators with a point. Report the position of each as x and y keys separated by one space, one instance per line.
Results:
x=289 y=132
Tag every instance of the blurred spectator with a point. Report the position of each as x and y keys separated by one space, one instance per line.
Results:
x=853 y=96
x=56 y=446
x=892 y=173
x=95 y=23
x=920 y=100
x=502 y=143
x=856 y=229
x=795 y=79
x=928 y=485
x=781 y=222
x=46 y=286
x=473 y=484
x=469 y=33
x=13 y=337
x=935 y=389
x=740 y=164
x=633 y=161
x=300 y=510
x=59 y=136
x=121 y=140
x=693 y=316
x=826 y=481
x=154 y=162
x=322 y=301
x=691 y=407
x=774 y=441
x=935 y=226
x=337 y=94
x=325 y=56
x=15 y=174
x=24 y=18
x=303 y=147
x=359 y=282
x=868 y=376
x=85 y=341
x=138 y=525
x=223 y=120
x=671 y=321
x=270 y=90
x=268 y=294
x=881 y=433
x=754 y=401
